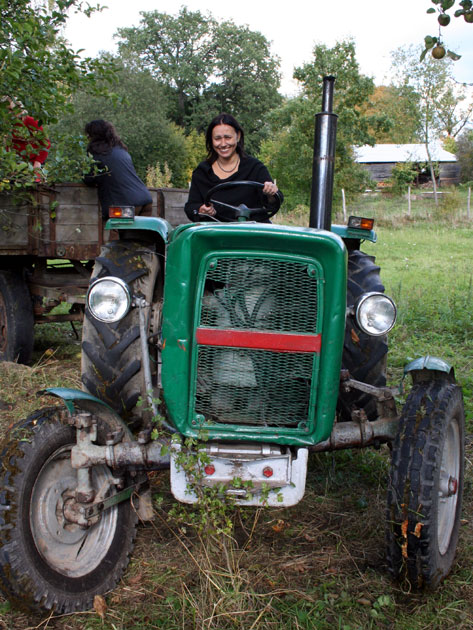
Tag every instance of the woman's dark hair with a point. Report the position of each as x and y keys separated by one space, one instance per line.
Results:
x=224 y=119
x=102 y=137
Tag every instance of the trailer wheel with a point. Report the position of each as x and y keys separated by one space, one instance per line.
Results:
x=426 y=484
x=16 y=318
x=47 y=562
x=364 y=356
x=111 y=353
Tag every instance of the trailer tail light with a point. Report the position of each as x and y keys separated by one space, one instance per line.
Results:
x=268 y=472
x=121 y=212
x=360 y=223
x=209 y=469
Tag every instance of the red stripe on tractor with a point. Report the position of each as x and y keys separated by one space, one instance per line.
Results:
x=278 y=342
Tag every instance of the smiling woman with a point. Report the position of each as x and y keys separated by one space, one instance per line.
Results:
x=227 y=162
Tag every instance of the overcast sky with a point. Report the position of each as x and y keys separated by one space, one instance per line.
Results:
x=294 y=26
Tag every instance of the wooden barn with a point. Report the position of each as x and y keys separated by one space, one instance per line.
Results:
x=380 y=159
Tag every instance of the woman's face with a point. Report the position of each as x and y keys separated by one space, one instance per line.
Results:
x=224 y=141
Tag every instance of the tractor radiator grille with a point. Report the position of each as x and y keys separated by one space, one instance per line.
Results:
x=261 y=294
x=248 y=385
x=253 y=386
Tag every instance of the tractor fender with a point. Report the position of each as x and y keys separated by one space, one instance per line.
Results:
x=145 y=224
x=76 y=400
x=428 y=367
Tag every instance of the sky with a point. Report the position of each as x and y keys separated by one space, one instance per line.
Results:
x=294 y=26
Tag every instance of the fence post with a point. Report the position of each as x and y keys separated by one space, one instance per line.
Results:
x=408 y=201
x=344 y=205
x=468 y=203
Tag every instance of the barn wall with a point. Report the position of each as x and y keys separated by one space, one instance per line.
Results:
x=381 y=171
x=449 y=173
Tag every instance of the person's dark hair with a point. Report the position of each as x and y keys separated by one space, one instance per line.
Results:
x=102 y=137
x=224 y=119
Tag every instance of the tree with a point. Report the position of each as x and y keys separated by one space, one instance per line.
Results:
x=177 y=50
x=245 y=81
x=40 y=72
x=401 y=112
x=432 y=81
x=289 y=149
x=207 y=68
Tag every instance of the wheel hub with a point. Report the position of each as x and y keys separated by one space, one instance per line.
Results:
x=60 y=531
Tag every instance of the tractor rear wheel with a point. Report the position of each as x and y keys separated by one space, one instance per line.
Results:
x=364 y=356
x=46 y=561
x=426 y=484
x=16 y=318
x=112 y=367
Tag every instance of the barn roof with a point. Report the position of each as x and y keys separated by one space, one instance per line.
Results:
x=401 y=153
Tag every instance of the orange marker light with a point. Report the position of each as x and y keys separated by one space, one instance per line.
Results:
x=361 y=223
x=121 y=212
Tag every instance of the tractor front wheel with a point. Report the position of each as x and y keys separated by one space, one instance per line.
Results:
x=426 y=484
x=46 y=561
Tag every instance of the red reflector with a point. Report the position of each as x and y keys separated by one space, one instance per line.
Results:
x=268 y=472
x=209 y=469
x=278 y=342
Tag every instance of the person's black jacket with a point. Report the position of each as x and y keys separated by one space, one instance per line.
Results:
x=203 y=179
x=117 y=181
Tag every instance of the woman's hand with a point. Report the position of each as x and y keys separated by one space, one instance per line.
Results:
x=270 y=189
x=210 y=210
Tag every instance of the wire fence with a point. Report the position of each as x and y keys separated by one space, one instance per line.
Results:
x=415 y=205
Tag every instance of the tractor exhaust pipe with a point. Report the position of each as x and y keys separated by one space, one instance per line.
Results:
x=324 y=157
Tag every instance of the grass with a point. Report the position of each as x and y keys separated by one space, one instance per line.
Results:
x=320 y=564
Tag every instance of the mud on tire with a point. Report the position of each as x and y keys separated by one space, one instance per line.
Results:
x=47 y=562
x=426 y=484
x=111 y=363
x=363 y=355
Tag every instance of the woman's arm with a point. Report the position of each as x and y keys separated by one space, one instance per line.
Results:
x=200 y=185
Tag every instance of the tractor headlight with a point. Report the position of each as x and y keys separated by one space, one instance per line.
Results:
x=109 y=299
x=375 y=313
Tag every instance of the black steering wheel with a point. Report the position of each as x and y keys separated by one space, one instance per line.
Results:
x=227 y=212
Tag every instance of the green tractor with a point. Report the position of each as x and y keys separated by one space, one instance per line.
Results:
x=268 y=340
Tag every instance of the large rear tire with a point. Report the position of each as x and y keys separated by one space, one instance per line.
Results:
x=426 y=484
x=16 y=318
x=364 y=356
x=111 y=353
x=47 y=562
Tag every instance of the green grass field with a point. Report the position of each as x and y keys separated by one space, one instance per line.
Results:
x=319 y=565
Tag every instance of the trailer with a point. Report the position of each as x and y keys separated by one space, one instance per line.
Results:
x=49 y=240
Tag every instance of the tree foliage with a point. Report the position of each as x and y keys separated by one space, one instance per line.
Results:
x=39 y=71
x=207 y=67
x=289 y=149
x=401 y=115
x=178 y=50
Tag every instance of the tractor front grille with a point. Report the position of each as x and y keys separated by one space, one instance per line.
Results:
x=257 y=386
